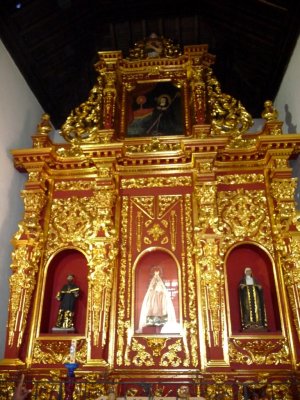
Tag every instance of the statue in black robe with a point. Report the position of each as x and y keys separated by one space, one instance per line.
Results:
x=67 y=297
x=252 y=305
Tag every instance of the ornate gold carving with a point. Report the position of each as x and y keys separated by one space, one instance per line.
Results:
x=284 y=189
x=212 y=284
x=259 y=351
x=219 y=389
x=156 y=231
x=34 y=202
x=75 y=220
x=84 y=123
x=236 y=179
x=100 y=287
x=146 y=203
x=7 y=387
x=142 y=357
x=171 y=358
x=44 y=127
x=70 y=152
x=173 y=228
x=121 y=324
x=291 y=272
x=242 y=214
x=171 y=181
x=207 y=208
x=75 y=185
x=22 y=282
x=153 y=47
x=269 y=113
x=229 y=117
x=157 y=345
x=243 y=211
x=165 y=203
x=57 y=352
x=190 y=327
x=156 y=145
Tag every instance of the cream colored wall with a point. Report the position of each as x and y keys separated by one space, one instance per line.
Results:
x=287 y=100
x=20 y=112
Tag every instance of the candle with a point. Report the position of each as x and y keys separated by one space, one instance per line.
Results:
x=73 y=351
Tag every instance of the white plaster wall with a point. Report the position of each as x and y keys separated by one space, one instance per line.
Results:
x=20 y=113
x=287 y=100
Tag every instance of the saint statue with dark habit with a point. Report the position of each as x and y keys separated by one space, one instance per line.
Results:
x=252 y=305
x=67 y=297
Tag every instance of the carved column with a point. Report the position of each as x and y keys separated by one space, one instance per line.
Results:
x=287 y=237
x=28 y=247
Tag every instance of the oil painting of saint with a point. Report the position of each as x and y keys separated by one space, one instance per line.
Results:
x=156 y=112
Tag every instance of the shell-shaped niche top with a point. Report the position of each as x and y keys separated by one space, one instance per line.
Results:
x=154 y=46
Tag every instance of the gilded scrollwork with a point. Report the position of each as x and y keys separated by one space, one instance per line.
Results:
x=243 y=214
x=259 y=351
x=85 y=121
x=156 y=145
x=142 y=357
x=77 y=220
x=57 y=352
x=228 y=116
x=237 y=179
x=171 y=357
x=171 y=181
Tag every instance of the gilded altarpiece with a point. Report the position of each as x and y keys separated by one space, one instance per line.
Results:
x=133 y=200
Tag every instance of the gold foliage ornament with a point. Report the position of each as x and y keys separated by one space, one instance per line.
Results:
x=85 y=121
x=228 y=116
x=259 y=351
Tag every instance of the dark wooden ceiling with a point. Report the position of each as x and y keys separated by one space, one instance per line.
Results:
x=55 y=42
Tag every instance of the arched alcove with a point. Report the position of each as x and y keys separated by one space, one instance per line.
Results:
x=165 y=264
x=251 y=255
x=69 y=261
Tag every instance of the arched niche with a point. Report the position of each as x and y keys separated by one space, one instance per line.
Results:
x=69 y=261
x=167 y=266
x=241 y=256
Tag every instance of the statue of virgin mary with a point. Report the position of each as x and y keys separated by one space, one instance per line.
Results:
x=157 y=307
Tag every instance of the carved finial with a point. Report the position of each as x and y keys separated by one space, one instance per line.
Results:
x=269 y=113
x=154 y=46
x=44 y=127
